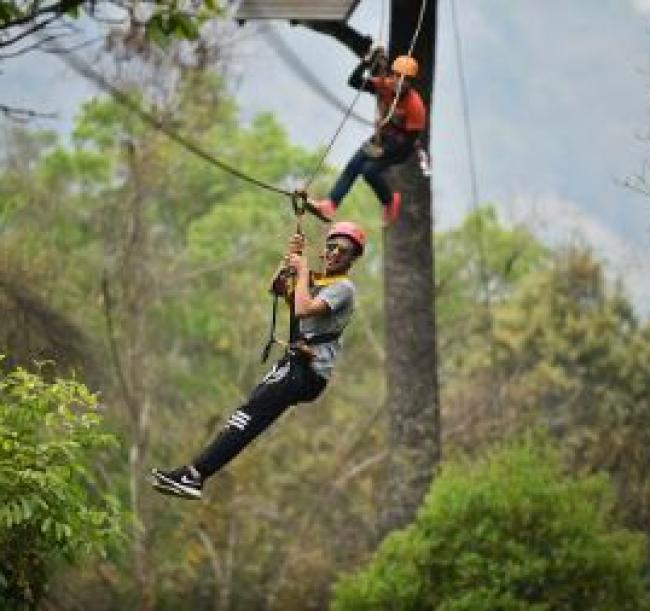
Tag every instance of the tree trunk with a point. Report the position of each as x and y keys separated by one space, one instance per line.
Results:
x=136 y=296
x=409 y=304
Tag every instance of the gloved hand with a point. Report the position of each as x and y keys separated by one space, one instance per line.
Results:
x=375 y=55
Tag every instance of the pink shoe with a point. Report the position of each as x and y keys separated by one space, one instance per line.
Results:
x=325 y=208
x=390 y=211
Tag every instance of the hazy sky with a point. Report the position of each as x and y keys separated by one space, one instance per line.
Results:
x=558 y=94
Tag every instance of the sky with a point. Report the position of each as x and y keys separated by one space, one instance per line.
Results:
x=557 y=95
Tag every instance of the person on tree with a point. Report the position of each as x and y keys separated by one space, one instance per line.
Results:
x=400 y=122
x=323 y=305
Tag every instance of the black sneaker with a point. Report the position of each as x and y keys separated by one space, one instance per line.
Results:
x=184 y=482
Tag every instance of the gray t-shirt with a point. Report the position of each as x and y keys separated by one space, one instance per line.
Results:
x=339 y=296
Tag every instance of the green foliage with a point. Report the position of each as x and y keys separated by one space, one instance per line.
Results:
x=557 y=348
x=164 y=21
x=509 y=532
x=171 y=20
x=479 y=266
x=9 y=11
x=212 y=243
x=574 y=355
x=477 y=262
x=52 y=509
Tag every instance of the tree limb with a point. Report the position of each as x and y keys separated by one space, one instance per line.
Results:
x=32 y=47
x=59 y=9
x=32 y=30
x=11 y=111
x=358 y=43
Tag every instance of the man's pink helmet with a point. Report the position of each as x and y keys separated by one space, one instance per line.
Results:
x=350 y=230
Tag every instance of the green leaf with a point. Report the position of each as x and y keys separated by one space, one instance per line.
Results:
x=185 y=27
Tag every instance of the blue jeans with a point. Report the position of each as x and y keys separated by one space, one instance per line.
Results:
x=372 y=169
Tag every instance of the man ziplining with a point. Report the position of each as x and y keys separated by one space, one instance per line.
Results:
x=322 y=305
x=401 y=119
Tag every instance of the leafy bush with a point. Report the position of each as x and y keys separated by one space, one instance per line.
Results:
x=510 y=532
x=51 y=509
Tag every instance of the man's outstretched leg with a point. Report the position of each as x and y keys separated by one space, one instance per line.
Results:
x=327 y=207
x=288 y=383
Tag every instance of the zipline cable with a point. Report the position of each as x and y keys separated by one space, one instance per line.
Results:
x=382 y=22
x=471 y=156
x=469 y=144
x=416 y=35
x=127 y=101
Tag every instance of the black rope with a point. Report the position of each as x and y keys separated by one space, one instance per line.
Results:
x=125 y=100
x=272 y=339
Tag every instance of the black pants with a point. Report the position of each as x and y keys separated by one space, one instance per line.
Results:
x=291 y=381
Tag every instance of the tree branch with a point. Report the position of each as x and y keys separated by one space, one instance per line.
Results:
x=20 y=113
x=32 y=30
x=32 y=47
x=59 y=8
x=353 y=40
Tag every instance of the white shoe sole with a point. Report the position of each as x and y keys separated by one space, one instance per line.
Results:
x=165 y=485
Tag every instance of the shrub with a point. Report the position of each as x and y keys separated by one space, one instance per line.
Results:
x=509 y=532
x=51 y=508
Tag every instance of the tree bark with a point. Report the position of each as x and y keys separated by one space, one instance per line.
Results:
x=409 y=304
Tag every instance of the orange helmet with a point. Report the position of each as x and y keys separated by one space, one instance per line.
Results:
x=405 y=65
x=350 y=230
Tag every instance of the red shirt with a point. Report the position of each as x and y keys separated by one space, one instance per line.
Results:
x=410 y=113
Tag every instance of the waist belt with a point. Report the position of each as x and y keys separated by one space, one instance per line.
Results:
x=321 y=338
x=301 y=348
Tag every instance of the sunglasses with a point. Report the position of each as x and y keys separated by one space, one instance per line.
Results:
x=340 y=247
